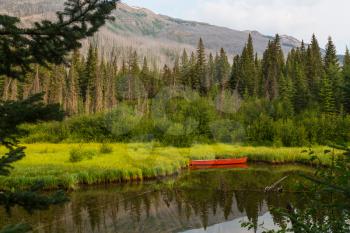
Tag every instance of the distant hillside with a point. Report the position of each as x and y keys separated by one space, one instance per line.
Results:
x=158 y=36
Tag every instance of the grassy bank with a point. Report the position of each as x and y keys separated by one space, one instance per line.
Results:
x=51 y=163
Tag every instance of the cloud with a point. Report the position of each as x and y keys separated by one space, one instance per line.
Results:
x=298 y=18
x=291 y=17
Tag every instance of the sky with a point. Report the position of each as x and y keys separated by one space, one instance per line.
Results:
x=298 y=18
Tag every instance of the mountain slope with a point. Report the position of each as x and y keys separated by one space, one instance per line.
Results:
x=158 y=36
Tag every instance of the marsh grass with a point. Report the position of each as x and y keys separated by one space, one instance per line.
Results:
x=106 y=149
x=132 y=162
x=78 y=154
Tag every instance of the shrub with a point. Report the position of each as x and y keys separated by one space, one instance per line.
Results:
x=79 y=154
x=106 y=149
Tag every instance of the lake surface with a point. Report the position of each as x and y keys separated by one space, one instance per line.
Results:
x=200 y=201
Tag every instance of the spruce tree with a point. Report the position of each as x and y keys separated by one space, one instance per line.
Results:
x=72 y=95
x=330 y=58
x=134 y=72
x=210 y=77
x=314 y=69
x=327 y=96
x=145 y=76
x=247 y=70
x=332 y=70
x=222 y=69
x=272 y=68
x=167 y=77
x=235 y=73
x=192 y=81
x=296 y=73
x=346 y=78
x=199 y=81
x=184 y=69
x=176 y=72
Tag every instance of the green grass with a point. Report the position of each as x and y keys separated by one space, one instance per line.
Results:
x=50 y=163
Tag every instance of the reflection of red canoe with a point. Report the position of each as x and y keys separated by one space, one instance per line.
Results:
x=217 y=162
x=241 y=166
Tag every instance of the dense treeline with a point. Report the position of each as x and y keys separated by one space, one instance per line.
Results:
x=299 y=99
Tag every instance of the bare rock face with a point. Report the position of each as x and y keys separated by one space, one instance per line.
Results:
x=158 y=36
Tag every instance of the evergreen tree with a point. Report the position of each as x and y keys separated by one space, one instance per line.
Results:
x=332 y=70
x=192 y=81
x=98 y=85
x=210 y=76
x=177 y=72
x=110 y=97
x=330 y=58
x=167 y=77
x=134 y=72
x=272 y=68
x=145 y=76
x=235 y=73
x=327 y=96
x=72 y=94
x=346 y=78
x=184 y=69
x=314 y=69
x=295 y=72
x=90 y=70
x=199 y=81
x=247 y=70
x=222 y=69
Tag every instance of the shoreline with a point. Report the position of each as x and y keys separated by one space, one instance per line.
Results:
x=134 y=162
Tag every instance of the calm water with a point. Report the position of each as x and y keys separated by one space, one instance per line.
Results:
x=215 y=201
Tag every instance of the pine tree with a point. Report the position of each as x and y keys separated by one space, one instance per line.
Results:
x=332 y=70
x=327 y=96
x=134 y=72
x=176 y=72
x=199 y=81
x=314 y=69
x=330 y=58
x=272 y=68
x=222 y=69
x=295 y=72
x=90 y=70
x=185 y=69
x=98 y=87
x=167 y=77
x=145 y=76
x=72 y=95
x=110 y=85
x=247 y=70
x=346 y=78
x=192 y=81
x=210 y=76
x=235 y=73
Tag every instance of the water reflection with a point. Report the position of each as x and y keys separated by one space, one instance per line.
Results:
x=196 y=201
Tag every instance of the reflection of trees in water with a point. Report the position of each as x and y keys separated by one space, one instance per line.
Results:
x=193 y=200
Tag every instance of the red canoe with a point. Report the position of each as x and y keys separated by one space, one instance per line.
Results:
x=218 y=162
x=201 y=167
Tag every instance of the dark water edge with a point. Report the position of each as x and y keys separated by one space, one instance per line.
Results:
x=211 y=200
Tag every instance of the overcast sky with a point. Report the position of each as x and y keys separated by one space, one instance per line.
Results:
x=298 y=18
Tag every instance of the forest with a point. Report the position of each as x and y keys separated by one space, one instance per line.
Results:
x=298 y=99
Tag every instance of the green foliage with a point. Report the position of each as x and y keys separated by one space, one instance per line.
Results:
x=79 y=154
x=106 y=149
x=43 y=43
x=331 y=193
x=134 y=161
x=49 y=42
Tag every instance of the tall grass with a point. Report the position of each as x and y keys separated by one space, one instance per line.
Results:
x=50 y=163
